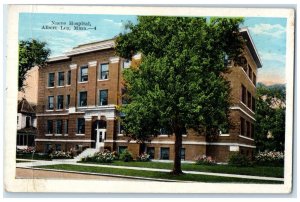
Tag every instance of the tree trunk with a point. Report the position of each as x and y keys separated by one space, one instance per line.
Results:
x=177 y=159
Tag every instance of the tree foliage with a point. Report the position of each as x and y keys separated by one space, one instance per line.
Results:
x=31 y=53
x=270 y=118
x=178 y=84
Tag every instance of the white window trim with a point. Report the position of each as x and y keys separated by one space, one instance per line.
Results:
x=60 y=86
x=50 y=87
x=163 y=135
x=66 y=134
x=56 y=134
x=59 y=110
x=103 y=79
x=48 y=134
x=245 y=137
x=224 y=135
x=83 y=81
x=80 y=134
x=49 y=110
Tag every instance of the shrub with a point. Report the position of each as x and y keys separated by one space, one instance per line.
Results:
x=271 y=158
x=143 y=157
x=204 y=160
x=28 y=150
x=101 y=157
x=60 y=155
x=126 y=156
x=239 y=160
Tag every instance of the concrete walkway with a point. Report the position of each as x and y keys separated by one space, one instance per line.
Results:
x=73 y=162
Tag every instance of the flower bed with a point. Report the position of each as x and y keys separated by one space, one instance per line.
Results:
x=205 y=160
x=101 y=157
x=60 y=155
x=28 y=150
x=144 y=157
x=271 y=158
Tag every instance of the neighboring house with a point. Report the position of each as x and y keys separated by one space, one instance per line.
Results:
x=30 y=91
x=26 y=124
x=79 y=93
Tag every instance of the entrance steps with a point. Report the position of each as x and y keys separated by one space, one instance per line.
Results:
x=86 y=152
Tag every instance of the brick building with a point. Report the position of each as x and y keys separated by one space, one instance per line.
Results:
x=79 y=93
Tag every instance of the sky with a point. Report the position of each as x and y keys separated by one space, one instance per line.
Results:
x=268 y=34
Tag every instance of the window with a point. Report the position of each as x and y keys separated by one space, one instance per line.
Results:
x=243 y=98
x=250 y=72
x=83 y=99
x=51 y=79
x=66 y=126
x=57 y=147
x=164 y=153
x=84 y=73
x=126 y=64
x=248 y=129
x=61 y=78
x=69 y=77
x=103 y=97
x=104 y=71
x=249 y=99
x=49 y=127
x=182 y=153
x=27 y=121
x=48 y=147
x=68 y=102
x=50 y=102
x=60 y=102
x=253 y=104
x=242 y=126
x=252 y=130
x=59 y=127
x=121 y=149
x=254 y=79
x=80 y=126
x=121 y=126
x=151 y=152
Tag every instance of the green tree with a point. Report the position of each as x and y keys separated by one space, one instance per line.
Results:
x=179 y=83
x=31 y=53
x=270 y=118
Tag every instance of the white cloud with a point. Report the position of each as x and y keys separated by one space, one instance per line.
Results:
x=275 y=57
x=118 y=24
x=276 y=30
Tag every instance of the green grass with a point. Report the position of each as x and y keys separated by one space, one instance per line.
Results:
x=255 y=170
x=154 y=174
x=22 y=161
x=33 y=157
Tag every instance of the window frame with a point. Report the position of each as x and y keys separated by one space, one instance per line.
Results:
x=79 y=99
x=103 y=73
x=59 y=127
x=161 y=153
x=149 y=152
x=59 y=79
x=60 y=100
x=81 y=77
x=49 y=103
x=69 y=77
x=100 y=103
x=242 y=126
x=50 y=128
x=244 y=94
x=51 y=86
x=68 y=98
x=78 y=121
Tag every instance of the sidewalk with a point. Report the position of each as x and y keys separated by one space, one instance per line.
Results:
x=73 y=162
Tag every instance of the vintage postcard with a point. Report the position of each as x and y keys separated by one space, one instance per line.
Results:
x=108 y=98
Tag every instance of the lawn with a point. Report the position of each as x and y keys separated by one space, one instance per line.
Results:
x=154 y=174
x=33 y=156
x=255 y=170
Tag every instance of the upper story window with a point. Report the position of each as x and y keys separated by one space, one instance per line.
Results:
x=69 y=77
x=61 y=78
x=28 y=121
x=59 y=127
x=51 y=79
x=253 y=103
x=66 y=126
x=104 y=71
x=254 y=79
x=103 y=97
x=250 y=72
x=83 y=99
x=49 y=127
x=84 y=73
x=60 y=102
x=80 y=126
x=242 y=126
x=124 y=98
x=126 y=64
x=243 y=98
x=50 y=102
x=249 y=99
x=68 y=102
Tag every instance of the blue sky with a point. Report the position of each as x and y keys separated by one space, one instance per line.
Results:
x=268 y=34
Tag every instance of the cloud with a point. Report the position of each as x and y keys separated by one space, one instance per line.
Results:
x=274 y=57
x=273 y=30
x=118 y=24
